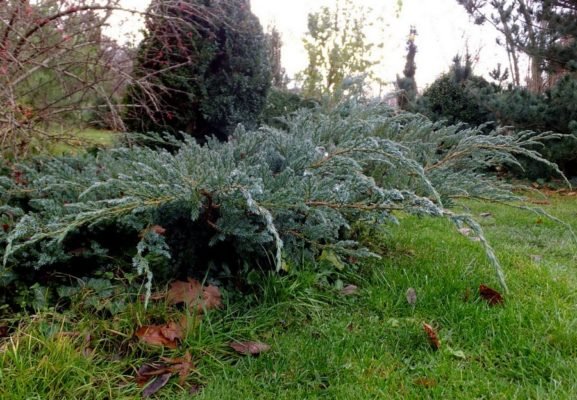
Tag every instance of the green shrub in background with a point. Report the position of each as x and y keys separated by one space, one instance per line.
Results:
x=457 y=102
x=461 y=97
x=281 y=103
x=265 y=199
x=556 y=111
x=201 y=69
x=458 y=96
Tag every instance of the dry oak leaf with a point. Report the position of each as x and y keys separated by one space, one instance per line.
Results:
x=167 y=335
x=149 y=371
x=432 y=335
x=249 y=348
x=181 y=365
x=159 y=382
x=160 y=373
x=490 y=295
x=193 y=294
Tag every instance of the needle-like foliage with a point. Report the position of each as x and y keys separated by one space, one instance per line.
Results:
x=270 y=194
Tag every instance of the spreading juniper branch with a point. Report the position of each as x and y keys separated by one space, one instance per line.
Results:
x=272 y=189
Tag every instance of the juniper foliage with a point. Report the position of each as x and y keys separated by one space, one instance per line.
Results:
x=270 y=195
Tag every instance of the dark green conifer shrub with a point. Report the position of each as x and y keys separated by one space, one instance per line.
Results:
x=458 y=96
x=281 y=103
x=461 y=97
x=556 y=111
x=201 y=69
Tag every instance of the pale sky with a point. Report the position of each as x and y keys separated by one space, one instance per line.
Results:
x=443 y=30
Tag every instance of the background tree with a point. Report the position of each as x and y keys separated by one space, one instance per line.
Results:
x=338 y=49
x=274 y=48
x=543 y=30
x=407 y=86
x=202 y=74
x=54 y=63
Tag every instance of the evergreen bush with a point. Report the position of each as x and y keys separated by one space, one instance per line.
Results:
x=201 y=69
x=283 y=102
x=458 y=96
x=556 y=111
x=267 y=197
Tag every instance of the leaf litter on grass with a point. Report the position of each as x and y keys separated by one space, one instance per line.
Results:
x=349 y=290
x=198 y=299
x=249 y=348
x=432 y=336
x=411 y=296
x=167 y=335
x=158 y=374
x=492 y=297
x=194 y=295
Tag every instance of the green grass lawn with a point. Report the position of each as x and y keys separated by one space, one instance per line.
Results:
x=365 y=346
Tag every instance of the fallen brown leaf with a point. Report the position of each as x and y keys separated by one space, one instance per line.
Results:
x=149 y=371
x=411 y=296
x=249 y=348
x=193 y=294
x=211 y=297
x=432 y=335
x=349 y=290
x=184 y=292
x=490 y=295
x=182 y=366
x=161 y=335
x=161 y=372
x=158 y=383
